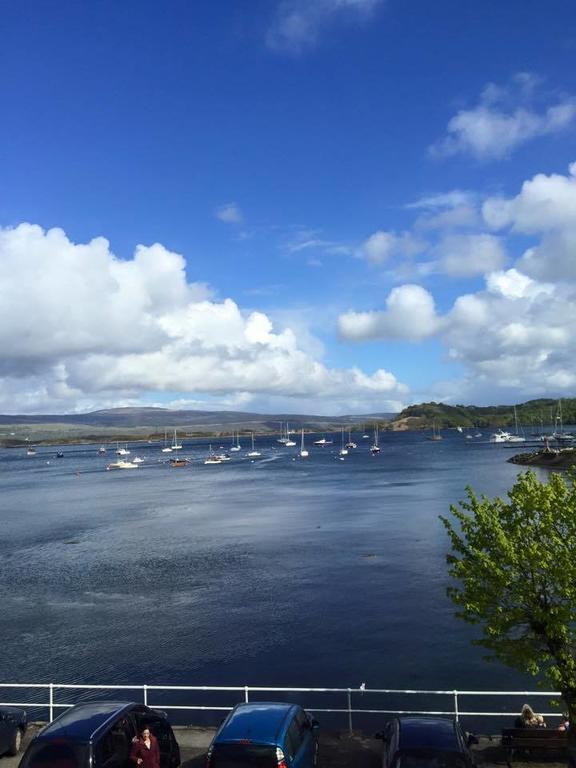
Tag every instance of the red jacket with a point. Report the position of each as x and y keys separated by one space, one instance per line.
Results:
x=150 y=757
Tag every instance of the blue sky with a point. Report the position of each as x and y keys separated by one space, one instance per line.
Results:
x=357 y=204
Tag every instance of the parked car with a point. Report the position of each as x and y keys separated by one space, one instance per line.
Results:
x=265 y=735
x=13 y=724
x=99 y=735
x=426 y=742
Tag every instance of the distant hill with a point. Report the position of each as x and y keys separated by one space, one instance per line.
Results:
x=532 y=413
x=150 y=423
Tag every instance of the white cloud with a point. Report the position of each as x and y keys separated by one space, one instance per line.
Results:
x=78 y=325
x=382 y=246
x=410 y=315
x=545 y=203
x=229 y=213
x=298 y=24
x=504 y=119
x=469 y=255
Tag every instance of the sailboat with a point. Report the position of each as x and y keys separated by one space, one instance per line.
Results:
x=176 y=445
x=289 y=443
x=303 y=452
x=212 y=458
x=516 y=438
x=365 y=435
x=350 y=444
x=253 y=453
x=343 y=450
x=435 y=433
x=559 y=434
x=122 y=451
x=235 y=447
x=283 y=440
x=166 y=448
x=375 y=449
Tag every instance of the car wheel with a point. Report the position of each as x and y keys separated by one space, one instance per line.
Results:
x=16 y=743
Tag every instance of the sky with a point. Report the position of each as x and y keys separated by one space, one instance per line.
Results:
x=301 y=206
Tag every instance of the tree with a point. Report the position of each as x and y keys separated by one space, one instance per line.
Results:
x=514 y=563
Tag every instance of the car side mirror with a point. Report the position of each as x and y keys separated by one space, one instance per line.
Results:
x=314 y=724
x=380 y=735
x=471 y=739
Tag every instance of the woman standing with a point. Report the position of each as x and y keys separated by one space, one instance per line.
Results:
x=145 y=750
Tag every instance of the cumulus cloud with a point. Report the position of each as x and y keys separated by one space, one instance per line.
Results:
x=297 y=24
x=78 y=325
x=382 y=246
x=469 y=255
x=504 y=119
x=410 y=315
x=229 y=213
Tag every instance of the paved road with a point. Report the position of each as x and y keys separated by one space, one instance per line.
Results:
x=337 y=750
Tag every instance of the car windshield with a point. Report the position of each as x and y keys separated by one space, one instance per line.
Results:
x=243 y=756
x=430 y=760
x=56 y=756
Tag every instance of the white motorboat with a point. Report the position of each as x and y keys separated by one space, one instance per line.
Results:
x=121 y=464
x=102 y=449
x=303 y=452
x=213 y=458
x=138 y=460
x=253 y=453
x=322 y=442
x=31 y=452
x=500 y=436
x=122 y=451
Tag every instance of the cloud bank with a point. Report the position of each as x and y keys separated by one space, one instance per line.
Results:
x=80 y=327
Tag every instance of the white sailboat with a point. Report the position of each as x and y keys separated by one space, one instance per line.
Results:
x=343 y=450
x=235 y=447
x=375 y=449
x=303 y=452
x=212 y=458
x=122 y=451
x=166 y=448
x=517 y=437
x=283 y=440
x=253 y=453
x=175 y=444
x=350 y=443
x=559 y=433
x=289 y=443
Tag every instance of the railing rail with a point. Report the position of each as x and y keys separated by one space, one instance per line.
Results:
x=146 y=694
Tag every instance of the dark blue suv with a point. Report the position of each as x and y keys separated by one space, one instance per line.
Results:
x=265 y=735
x=99 y=735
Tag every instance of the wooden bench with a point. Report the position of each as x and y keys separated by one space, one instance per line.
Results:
x=533 y=739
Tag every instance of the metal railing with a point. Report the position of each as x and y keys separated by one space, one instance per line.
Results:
x=245 y=692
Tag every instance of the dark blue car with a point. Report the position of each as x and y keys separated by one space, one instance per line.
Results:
x=99 y=735
x=13 y=724
x=265 y=735
x=426 y=742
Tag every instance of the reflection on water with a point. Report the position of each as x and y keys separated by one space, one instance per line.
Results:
x=314 y=572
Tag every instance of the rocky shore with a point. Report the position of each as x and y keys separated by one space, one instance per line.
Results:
x=549 y=458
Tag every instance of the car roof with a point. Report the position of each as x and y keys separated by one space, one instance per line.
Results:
x=83 y=721
x=260 y=722
x=428 y=733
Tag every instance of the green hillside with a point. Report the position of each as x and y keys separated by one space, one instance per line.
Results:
x=533 y=413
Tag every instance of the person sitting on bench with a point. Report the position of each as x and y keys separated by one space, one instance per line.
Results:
x=529 y=719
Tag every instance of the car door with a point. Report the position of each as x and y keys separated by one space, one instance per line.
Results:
x=308 y=736
x=161 y=729
x=112 y=750
x=5 y=734
x=390 y=744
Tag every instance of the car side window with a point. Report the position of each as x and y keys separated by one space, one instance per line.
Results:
x=294 y=739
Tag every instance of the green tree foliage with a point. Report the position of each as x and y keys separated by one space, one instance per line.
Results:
x=514 y=564
x=532 y=414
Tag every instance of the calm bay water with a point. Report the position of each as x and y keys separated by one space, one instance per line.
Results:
x=274 y=571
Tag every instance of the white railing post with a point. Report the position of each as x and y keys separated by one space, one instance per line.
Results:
x=51 y=705
x=456 y=705
x=350 y=710
x=145 y=694
x=246 y=693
